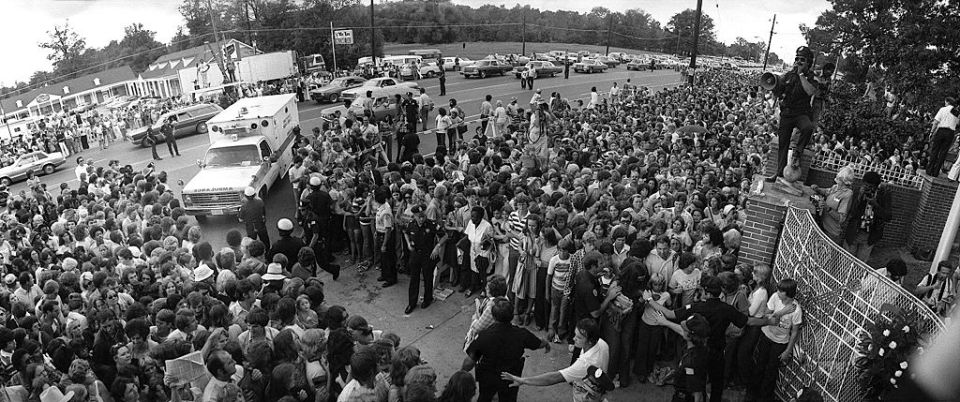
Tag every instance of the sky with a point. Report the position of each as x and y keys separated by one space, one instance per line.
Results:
x=100 y=21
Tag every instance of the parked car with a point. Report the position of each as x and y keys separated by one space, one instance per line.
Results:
x=383 y=105
x=637 y=65
x=36 y=162
x=543 y=69
x=456 y=63
x=589 y=66
x=186 y=121
x=332 y=90
x=485 y=68
x=609 y=61
x=429 y=69
x=385 y=86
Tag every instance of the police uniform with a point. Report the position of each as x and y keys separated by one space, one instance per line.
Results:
x=423 y=238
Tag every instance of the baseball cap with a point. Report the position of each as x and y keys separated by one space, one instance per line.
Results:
x=697 y=325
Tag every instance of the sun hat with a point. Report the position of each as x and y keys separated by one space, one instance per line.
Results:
x=274 y=272
x=202 y=272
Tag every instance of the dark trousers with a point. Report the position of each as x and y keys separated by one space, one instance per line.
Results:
x=715 y=374
x=475 y=281
x=172 y=146
x=530 y=83
x=484 y=120
x=745 y=353
x=443 y=85
x=784 y=135
x=764 y=383
x=620 y=343
x=258 y=233
x=939 y=146
x=388 y=259
x=441 y=139
x=420 y=262
x=541 y=310
x=153 y=148
x=425 y=117
x=411 y=126
x=649 y=339
x=452 y=135
x=498 y=387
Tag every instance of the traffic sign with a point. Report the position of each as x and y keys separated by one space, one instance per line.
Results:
x=343 y=37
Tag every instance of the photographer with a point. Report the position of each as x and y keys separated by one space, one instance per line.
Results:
x=795 y=92
x=871 y=209
x=942 y=135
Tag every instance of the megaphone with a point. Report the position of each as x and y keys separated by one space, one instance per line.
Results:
x=769 y=81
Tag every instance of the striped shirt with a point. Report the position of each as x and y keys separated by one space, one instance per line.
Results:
x=517 y=225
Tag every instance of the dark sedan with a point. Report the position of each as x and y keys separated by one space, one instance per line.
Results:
x=486 y=68
x=332 y=90
x=543 y=69
x=186 y=121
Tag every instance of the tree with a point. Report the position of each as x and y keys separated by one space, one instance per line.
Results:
x=66 y=48
x=142 y=47
x=682 y=23
x=911 y=45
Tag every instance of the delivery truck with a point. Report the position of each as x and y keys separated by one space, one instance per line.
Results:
x=267 y=67
x=250 y=145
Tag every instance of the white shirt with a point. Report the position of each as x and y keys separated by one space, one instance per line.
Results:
x=594 y=100
x=81 y=169
x=597 y=356
x=946 y=119
x=780 y=333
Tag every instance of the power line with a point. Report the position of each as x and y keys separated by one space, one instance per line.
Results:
x=93 y=67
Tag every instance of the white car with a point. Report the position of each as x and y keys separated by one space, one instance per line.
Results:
x=451 y=63
x=429 y=69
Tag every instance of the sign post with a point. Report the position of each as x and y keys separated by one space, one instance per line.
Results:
x=340 y=37
x=333 y=47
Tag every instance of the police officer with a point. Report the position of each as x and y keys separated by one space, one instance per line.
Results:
x=443 y=78
x=288 y=245
x=253 y=215
x=422 y=236
x=167 y=130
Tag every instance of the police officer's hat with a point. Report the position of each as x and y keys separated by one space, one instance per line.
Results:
x=418 y=209
x=805 y=52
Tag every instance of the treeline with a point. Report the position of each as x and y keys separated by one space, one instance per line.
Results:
x=304 y=26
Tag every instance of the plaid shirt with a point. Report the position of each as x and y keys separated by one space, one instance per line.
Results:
x=576 y=265
x=482 y=319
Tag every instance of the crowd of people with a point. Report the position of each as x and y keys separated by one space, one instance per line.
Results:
x=73 y=133
x=611 y=227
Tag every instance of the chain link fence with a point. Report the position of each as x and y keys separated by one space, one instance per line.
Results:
x=839 y=295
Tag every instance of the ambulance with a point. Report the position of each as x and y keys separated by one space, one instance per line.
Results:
x=250 y=145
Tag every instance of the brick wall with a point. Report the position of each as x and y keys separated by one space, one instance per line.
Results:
x=770 y=163
x=905 y=201
x=765 y=214
x=932 y=210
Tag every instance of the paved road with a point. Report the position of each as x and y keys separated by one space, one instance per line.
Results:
x=438 y=331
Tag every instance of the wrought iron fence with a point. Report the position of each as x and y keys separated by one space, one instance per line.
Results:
x=891 y=174
x=839 y=295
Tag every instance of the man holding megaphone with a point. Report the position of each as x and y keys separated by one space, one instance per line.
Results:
x=794 y=91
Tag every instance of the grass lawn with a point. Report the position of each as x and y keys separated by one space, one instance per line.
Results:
x=479 y=50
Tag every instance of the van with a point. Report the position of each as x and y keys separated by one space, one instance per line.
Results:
x=426 y=53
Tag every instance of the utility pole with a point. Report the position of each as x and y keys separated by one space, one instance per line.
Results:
x=218 y=51
x=246 y=18
x=609 y=27
x=333 y=48
x=678 y=40
x=523 y=32
x=696 y=41
x=373 y=37
x=767 y=54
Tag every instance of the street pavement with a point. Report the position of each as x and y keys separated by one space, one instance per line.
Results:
x=437 y=331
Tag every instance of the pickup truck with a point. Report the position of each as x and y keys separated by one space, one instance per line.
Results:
x=486 y=68
x=543 y=69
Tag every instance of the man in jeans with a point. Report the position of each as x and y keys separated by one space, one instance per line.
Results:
x=795 y=110
x=426 y=105
x=776 y=345
x=942 y=135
